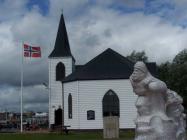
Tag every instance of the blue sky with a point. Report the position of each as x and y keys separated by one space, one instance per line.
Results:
x=43 y=5
x=156 y=26
x=170 y=10
x=166 y=9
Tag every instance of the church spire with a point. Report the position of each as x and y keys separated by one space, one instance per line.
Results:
x=62 y=47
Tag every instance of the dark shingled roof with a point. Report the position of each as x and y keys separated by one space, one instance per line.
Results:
x=107 y=65
x=62 y=47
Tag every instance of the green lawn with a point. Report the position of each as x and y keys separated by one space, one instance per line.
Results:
x=72 y=136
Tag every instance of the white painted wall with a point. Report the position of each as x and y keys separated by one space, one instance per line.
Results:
x=88 y=95
x=55 y=87
x=72 y=88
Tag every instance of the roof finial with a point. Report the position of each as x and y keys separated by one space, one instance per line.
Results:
x=62 y=10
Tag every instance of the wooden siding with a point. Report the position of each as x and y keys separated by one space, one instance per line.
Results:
x=72 y=88
x=55 y=87
x=88 y=95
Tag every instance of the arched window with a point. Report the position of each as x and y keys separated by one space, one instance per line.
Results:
x=111 y=104
x=60 y=71
x=70 y=106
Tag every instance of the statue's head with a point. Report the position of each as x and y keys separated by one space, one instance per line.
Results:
x=140 y=72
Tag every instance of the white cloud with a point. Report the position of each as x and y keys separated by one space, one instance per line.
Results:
x=69 y=7
x=12 y=9
x=35 y=98
x=103 y=28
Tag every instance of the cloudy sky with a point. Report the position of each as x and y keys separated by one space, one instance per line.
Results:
x=159 y=27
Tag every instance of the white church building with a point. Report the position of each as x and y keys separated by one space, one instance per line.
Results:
x=81 y=95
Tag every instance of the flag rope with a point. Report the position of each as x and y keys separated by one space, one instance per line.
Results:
x=21 y=114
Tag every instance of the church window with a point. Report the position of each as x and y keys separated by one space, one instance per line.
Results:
x=70 y=106
x=60 y=71
x=90 y=115
x=111 y=104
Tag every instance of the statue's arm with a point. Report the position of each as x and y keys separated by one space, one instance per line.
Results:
x=157 y=86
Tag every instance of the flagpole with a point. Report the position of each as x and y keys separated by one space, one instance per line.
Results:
x=22 y=90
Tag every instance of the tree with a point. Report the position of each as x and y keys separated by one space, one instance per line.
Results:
x=181 y=58
x=138 y=56
x=164 y=73
x=175 y=74
x=179 y=75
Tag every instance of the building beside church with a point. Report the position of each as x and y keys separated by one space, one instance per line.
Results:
x=81 y=95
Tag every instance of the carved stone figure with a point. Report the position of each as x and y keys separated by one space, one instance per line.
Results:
x=152 y=122
x=174 y=109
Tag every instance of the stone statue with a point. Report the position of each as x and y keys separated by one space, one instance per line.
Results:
x=156 y=119
x=174 y=110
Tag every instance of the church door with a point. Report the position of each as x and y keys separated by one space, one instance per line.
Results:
x=111 y=115
x=58 y=117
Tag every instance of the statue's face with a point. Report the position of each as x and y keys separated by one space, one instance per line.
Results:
x=138 y=75
x=143 y=106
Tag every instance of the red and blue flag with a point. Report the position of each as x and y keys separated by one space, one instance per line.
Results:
x=31 y=51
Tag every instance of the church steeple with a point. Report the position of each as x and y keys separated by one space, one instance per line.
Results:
x=62 y=48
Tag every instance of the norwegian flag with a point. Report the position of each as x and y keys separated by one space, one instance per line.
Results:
x=30 y=51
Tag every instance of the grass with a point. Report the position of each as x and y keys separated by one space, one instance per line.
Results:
x=128 y=135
